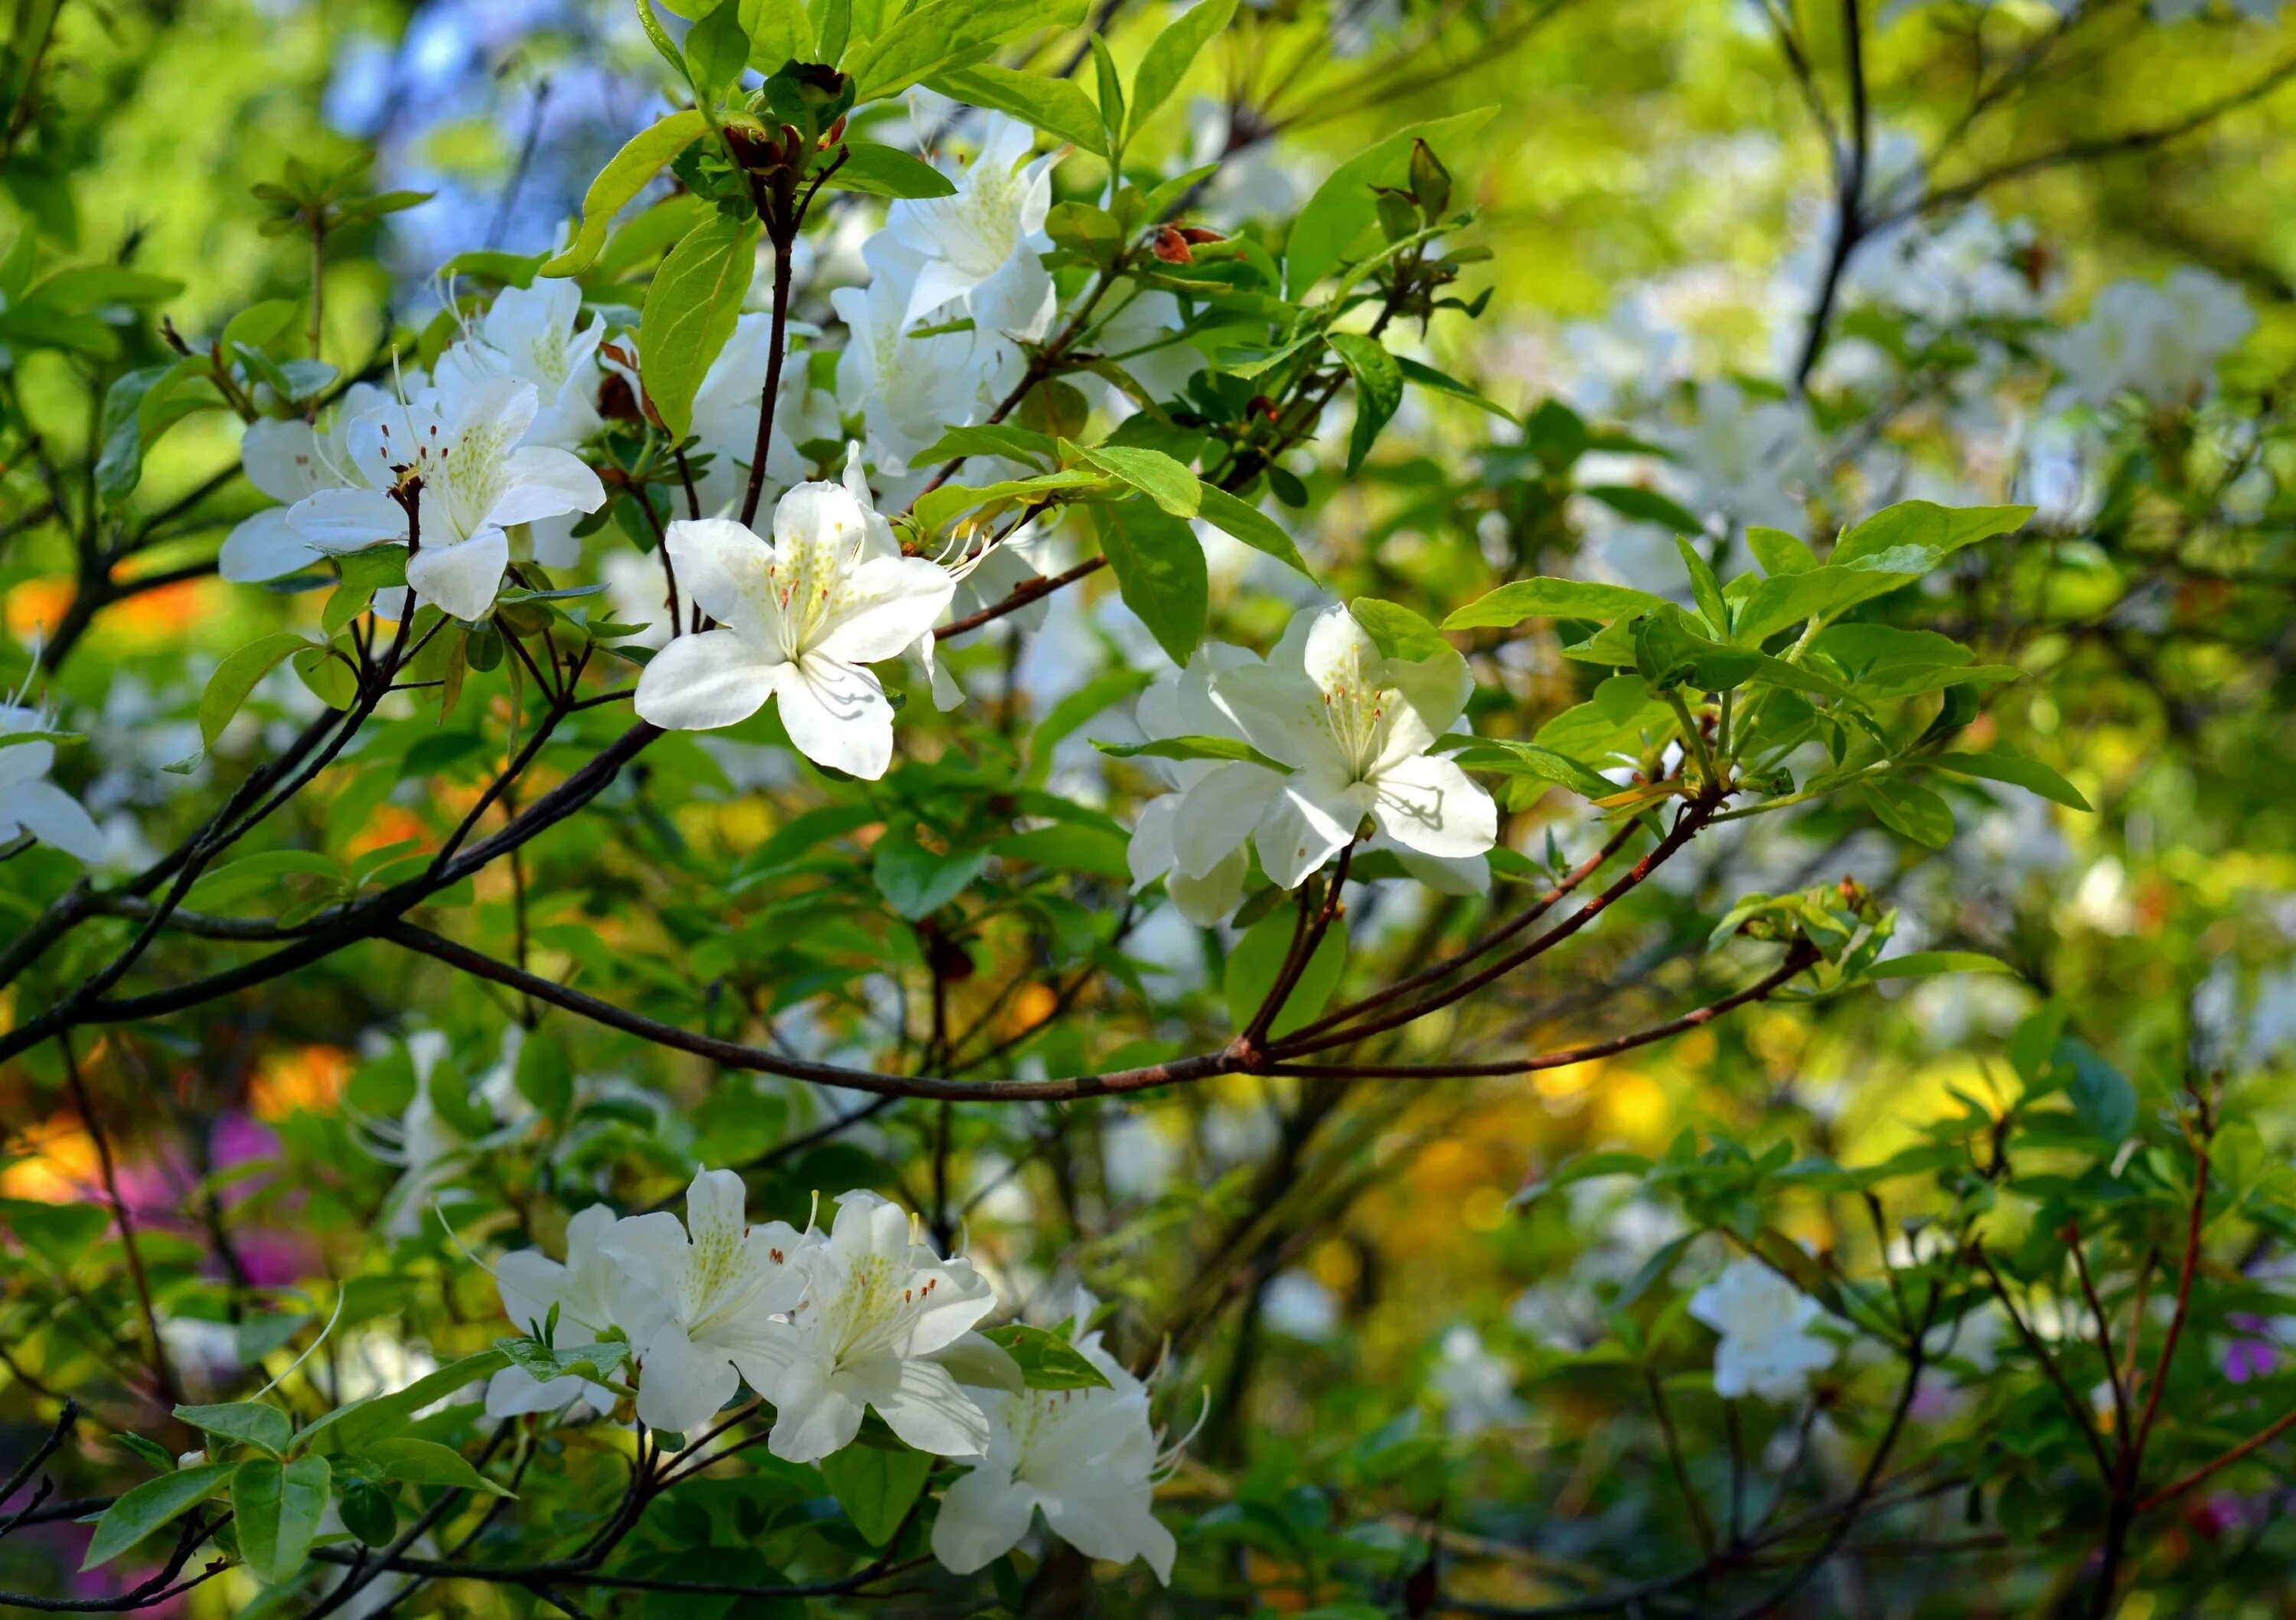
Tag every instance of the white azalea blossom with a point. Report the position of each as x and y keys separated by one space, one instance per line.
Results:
x=803 y=617
x=1084 y=1458
x=30 y=803
x=581 y=1289
x=1207 y=885
x=1766 y=1347
x=911 y=388
x=1354 y=726
x=475 y=478
x=877 y=1309
x=1002 y=198
x=289 y=460
x=2160 y=341
x=531 y=333
x=726 y=417
x=698 y=1301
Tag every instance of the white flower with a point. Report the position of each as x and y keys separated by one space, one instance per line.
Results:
x=999 y=209
x=287 y=461
x=1207 y=885
x=803 y=617
x=1354 y=725
x=726 y=417
x=911 y=388
x=1085 y=1457
x=2163 y=342
x=28 y=801
x=475 y=479
x=877 y=1308
x=582 y=1290
x=698 y=1300
x=529 y=333
x=1476 y=1388
x=1766 y=1347
x=1746 y=460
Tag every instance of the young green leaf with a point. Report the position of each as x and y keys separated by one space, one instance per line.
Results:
x=1258 y=959
x=1159 y=571
x=876 y=1487
x=237 y=676
x=245 y=1422
x=276 y=1511
x=1378 y=389
x=149 y=1505
x=1342 y=206
x=1059 y=107
x=887 y=171
x=2015 y=769
x=1169 y=56
x=690 y=312
x=1244 y=521
x=1047 y=1360
x=1511 y=604
x=1153 y=473
x=427 y=1462
x=625 y=175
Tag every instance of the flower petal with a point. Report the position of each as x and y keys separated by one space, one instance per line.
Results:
x=1148 y=854
x=883 y=605
x=683 y=1385
x=812 y=1416
x=1312 y=814
x=1430 y=805
x=1217 y=814
x=463 y=579
x=922 y=1404
x=720 y=564
x=282 y=459
x=264 y=547
x=983 y=1517
x=529 y=1282
x=836 y=714
x=340 y=520
x=701 y=682
x=54 y=817
x=1208 y=900
x=546 y=483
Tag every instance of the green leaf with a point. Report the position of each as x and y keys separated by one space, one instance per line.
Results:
x=1168 y=58
x=1517 y=758
x=1159 y=571
x=1094 y=233
x=887 y=171
x=1922 y=964
x=1246 y=522
x=246 y=1422
x=1398 y=632
x=690 y=311
x=1778 y=551
x=238 y=676
x=1153 y=473
x=369 y=1515
x=545 y=1075
x=329 y=674
x=945 y=34
x=936 y=507
x=1047 y=1361
x=120 y=467
x=717 y=50
x=991 y=439
x=1914 y=813
x=876 y=1487
x=1427 y=377
x=780 y=33
x=1343 y=205
x=352 y=1427
x=1511 y=604
x=597 y=1362
x=2003 y=766
x=1233 y=748
x=1110 y=83
x=1915 y=537
x=917 y=881
x=149 y=1505
x=1259 y=957
x=1705 y=589
x=1645 y=506
x=1789 y=598
x=1059 y=107
x=427 y=1462
x=276 y=1511
x=626 y=173
x=2102 y=1099
x=1378 y=389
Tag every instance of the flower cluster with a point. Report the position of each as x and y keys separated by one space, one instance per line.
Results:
x=827 y=1326
x=1345 y=732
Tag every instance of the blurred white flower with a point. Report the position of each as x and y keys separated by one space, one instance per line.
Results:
x=1766 y=1347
